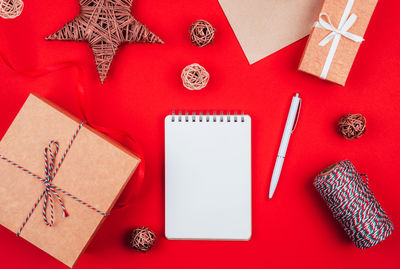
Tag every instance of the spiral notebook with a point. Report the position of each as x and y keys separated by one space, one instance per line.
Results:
x=208 y=176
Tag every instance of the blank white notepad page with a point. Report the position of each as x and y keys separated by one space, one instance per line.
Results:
x=208 y=177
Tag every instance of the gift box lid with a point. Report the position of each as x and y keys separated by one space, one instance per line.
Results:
x=315 y=56
x=95 y=170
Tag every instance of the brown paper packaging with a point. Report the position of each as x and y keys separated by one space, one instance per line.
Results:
x=96 y=170
x=314 y=56
x=263 y=27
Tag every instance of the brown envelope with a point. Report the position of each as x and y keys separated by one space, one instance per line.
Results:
x=96 y=169
x=266 y=26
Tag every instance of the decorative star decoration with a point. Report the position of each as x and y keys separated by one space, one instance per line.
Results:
x=105 y=24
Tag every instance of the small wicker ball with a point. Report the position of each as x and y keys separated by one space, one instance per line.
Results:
x=352 y=126
x=195 y=77
x=201 y=33
x=10 y=9
x=142 y=239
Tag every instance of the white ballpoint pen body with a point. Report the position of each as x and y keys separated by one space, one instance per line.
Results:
x=289 y=128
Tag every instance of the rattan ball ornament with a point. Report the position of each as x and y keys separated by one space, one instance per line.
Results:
x=352 y=126
x=201 y=33
x=142 y=239
x=10 y=9
x=195 y=77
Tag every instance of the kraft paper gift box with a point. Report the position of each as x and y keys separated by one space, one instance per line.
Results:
x=94 y=171
x=336 y=38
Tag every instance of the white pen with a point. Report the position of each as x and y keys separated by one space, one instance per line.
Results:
x=289 y=128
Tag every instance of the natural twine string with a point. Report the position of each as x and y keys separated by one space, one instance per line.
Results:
x=201 y=33
x=105 y=24
x=142 y=239
x=195 y=77
x=352 y=126
x=10 y=9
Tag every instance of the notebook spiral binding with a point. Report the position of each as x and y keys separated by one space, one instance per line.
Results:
x=207 y=117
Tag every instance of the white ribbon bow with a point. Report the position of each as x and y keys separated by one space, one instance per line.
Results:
x=345 y=24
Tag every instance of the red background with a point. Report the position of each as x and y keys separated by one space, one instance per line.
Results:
x=295 y=228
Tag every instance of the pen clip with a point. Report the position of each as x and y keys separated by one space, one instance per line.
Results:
x=297 y=116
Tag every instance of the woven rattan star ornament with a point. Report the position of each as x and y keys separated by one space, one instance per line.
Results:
x=105 y=24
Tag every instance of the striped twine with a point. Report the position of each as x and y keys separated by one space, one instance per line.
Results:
x=51 y=191
x=354 y=205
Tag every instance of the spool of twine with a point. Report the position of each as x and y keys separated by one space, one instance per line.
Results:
x=201 y=33
x=195 y=77
x=142 y=239
x=353 y=204
x=352 y=126
x=10 y=9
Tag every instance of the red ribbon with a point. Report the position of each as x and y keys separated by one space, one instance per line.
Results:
x=129 y=192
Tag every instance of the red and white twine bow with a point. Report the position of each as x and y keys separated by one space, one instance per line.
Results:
x=51 y=191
